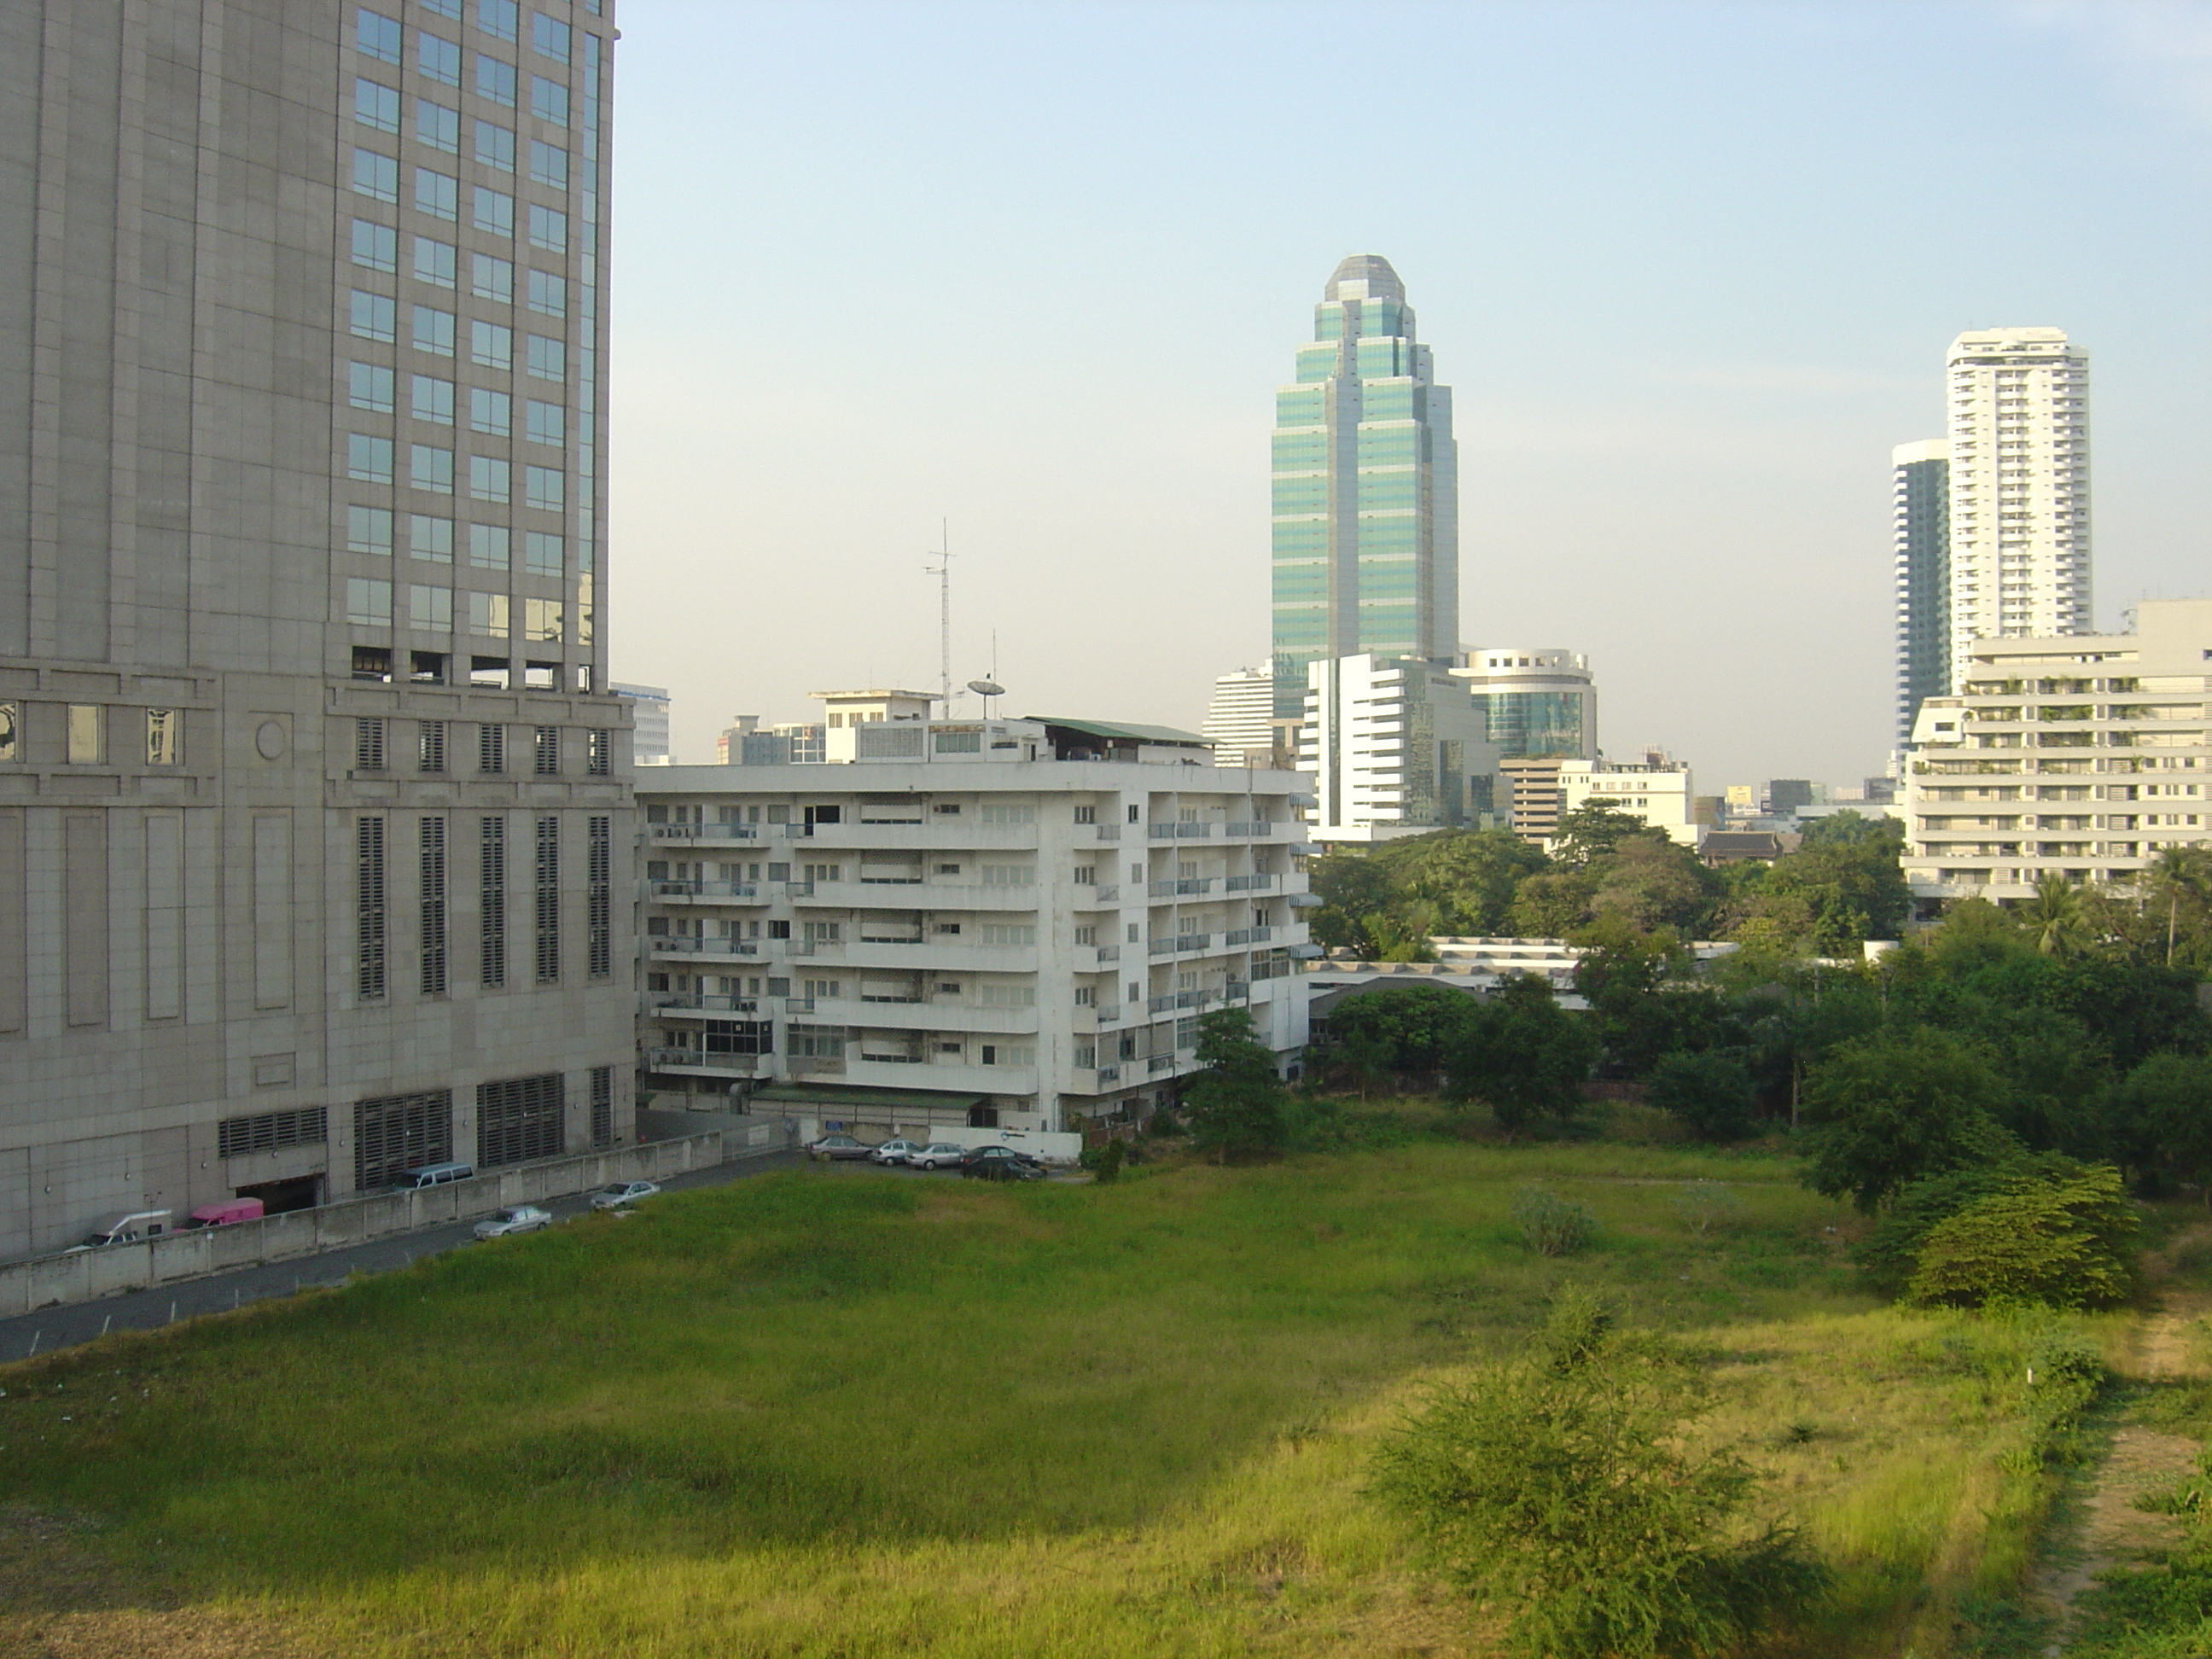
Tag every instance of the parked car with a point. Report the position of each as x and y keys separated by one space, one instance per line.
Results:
x=836 y=1146
x=433 y=1175
x=896 y=1151
x=937 y=1155
x=621 y=1193
x=1000 y=1163
x=128 y=1228
x=224 y=1214
x=521 y=1219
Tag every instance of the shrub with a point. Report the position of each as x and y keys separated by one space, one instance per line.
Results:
x=1893 y=1249
x=1559 y=1485
x=2062 y=1243
x=1104 y=1161
x=1710 y=1094
x=1705 y=1204
x=1552 y=1225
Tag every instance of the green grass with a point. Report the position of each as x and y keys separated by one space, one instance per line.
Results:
x=829 y=1413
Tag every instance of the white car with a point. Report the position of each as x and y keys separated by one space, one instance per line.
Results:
x=939 y=1154
x=522 y=1218
x=621 y=1193
x=896 y=1151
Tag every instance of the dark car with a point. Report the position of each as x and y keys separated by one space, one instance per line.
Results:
x=1000 y=1163
x=838 y=1146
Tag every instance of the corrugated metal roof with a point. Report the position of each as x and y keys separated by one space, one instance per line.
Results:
x=1128 y=733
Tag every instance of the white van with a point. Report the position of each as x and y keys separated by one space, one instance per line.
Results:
x=433 y=1175
x=125 y=1229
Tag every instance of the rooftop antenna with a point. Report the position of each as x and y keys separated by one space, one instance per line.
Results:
x=988 y=688
x=943 y=571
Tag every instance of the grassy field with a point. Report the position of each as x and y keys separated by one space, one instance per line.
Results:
x=837 y=1413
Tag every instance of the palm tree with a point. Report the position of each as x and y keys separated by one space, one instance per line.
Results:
x=2056 y=918
x=2182 y=871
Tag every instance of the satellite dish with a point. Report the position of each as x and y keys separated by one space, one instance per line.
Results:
x=987 y=688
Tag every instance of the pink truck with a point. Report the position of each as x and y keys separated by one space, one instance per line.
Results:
x=222 y=1214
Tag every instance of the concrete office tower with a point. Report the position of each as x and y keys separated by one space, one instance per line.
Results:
x=1396 y=748
x=1921 y=537
x=2019 y=488
x=1240 y=721
x=650 y=709
x=315 y=841
x=1366 y=489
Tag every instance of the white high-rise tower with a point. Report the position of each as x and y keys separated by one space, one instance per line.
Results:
x=2019 y=425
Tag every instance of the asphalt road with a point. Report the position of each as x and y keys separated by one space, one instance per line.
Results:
x=44 y=1329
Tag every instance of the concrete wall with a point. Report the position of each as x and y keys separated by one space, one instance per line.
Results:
x=47 y=1281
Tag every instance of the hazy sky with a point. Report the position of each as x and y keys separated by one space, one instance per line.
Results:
x=1037 y=268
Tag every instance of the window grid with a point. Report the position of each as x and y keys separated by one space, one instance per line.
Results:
x=518 y=1118
x=601 y=759
x=399 y=1132
x=492 y=896
x=491 y=749
x=603 y=1108
x=434 y=907
x=546 y=761
x=599 y=907
x=368 y=746
x=548 y=874
x=430 y=747
x=368 y=906
x=271 y=1131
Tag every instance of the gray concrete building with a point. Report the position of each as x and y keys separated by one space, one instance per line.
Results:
x=315 y=834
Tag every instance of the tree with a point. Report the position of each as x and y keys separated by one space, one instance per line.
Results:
x=1710 y=1094
x=1643 y=1007
x=2055 y=917
x=1236 y=1105
x=1468 y=876
x=1406 y=1027
x=2167 y=1102
x=1595 y=828
x=1651 y=883
x=1889 y=1109
x=1843 y=886
x=2066 y=1244
x=1552 y=905
x=1523 y=1055
x=1563 y=1484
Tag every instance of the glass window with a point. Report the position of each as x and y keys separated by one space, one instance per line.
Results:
x=11 y=726
x=488 y=546
x=490 y=412
x=549 y=101
x=376 y=247
x=548 y=423
x=368 y=602
x=491 y=277
x=544 y=488
x=495 y=79
x=368 y=460
x=376 y=35
x=491 y=345
x=431 y=468
x=368 y=530
x=375 y=105
x=549 y=165
x=430 y=608
x=549 y=294
x=541 y=554
x=375 y=176
x=375 y=316
x=495 y=145
x=435 y=261
x=541 y=620
x=444 y=8
x=438 y=194
x=487 y=615
x=433 y=330
x=438 y=59
x=165 y=734
x=430 y=537
x=493 y=212
x=437 y=126
x=498 y=17
x=550 y=37
x=433 y=399
x=548 y=359
x=368 y=385
x=487 y=479
x=86 y=734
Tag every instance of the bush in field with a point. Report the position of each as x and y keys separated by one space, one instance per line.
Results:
x=1560 y=1486
x=1710 y=1094
x=1892 y=1250
x=2064 y=1244
x=1552 y=1225
x=1706 y=1205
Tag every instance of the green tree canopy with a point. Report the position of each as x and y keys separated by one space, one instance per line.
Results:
x=1889 y=1109
x=1523 y=1055
x=1709 y=1094
x=1236 y=1106
x=1410 y=1026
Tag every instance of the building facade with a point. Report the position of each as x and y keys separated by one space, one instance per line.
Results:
x=2019 y=480
x=1536 y=703
x=1366 y=489
x=1920 y=516
x=1395 y=747
x=1240 y=721
x=1655 y=790
x=991 y=934
x=2082 y=756
x=649 y=711
x=314 y=807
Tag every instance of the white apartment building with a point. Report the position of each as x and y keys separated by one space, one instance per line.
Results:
x=1240 y=722
x=983 y=929
x=1656 y=790
x=1395 y=747
x=2082 y=756
x=2018 y=554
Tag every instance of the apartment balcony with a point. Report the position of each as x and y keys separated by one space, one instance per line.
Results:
x=1189 y=887
x=1181 y=832
x=706 y=892
x=696 y=1062
x=1098 y=898
x=1258 y=882
x=937 y=835
x=1173 y=945
x=1255 y=828
x=947 y=1015
x=1237 y=938
x=939 y=896
x=940 y=1071
x=1109 y=831
x=662 y=944
x=678 y=1004
x=669 y=832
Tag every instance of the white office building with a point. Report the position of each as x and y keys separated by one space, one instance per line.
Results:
x=1655 y=789
x=1395 y=747
x=2082 y=756
x=1538 y=703
x=1240 y=722
x=2018 y=554
x=1012 y=923
x=651 y=706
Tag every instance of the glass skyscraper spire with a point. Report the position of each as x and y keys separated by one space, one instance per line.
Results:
x=1366 y=489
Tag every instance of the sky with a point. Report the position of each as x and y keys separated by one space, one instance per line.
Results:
x=1027 y=276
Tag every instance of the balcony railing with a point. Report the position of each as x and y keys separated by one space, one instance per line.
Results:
x=1188 y=885
x=893 y=1060
x=703 y=1001
x=658 y=1058
x=1109 y=1073
x=1257 y=827
x=1193 y=941
x=1107 y=893
x=666 y=945
x=1237 y=936
x=708 y=889
x=1162 y=947
x=701 y=832
x=1109 y=953
x=1182 y=832
x=1257 y=883
x=1108 y=1014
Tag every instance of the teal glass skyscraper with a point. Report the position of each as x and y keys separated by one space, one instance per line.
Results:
x=1366 y=489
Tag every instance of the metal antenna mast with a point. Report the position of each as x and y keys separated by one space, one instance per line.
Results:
x=943 y=571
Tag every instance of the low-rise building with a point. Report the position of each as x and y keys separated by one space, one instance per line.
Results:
x=1655 y=790
x=996 y=931
x=2081 y=756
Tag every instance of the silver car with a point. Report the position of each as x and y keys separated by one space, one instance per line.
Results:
x=621 y=1193
x=896 y=1151
x=522 y=1218
x=937 y=1155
